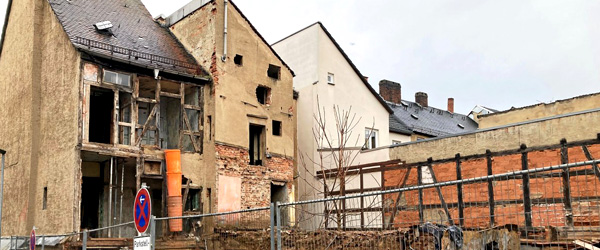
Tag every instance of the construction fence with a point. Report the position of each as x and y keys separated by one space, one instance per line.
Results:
x=527 y=210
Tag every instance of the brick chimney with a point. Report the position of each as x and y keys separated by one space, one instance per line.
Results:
x=390 y=91
x=421 y=98
x=451 y=105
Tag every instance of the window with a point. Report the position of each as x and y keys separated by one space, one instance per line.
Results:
x=263 y=95
x=117 y=78
x=45 y=199
x=256 y=144
x=101 y=115
x=274 y=71
x=276 y=128
x=371 y=138
x=238 y=60
x=330 y=78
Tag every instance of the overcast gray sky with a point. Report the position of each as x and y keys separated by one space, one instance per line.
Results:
x=495 y=53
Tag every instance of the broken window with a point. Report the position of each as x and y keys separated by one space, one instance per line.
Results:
x=170 y=122
x=194 y=202
x=274 y=71
x=125 y=107
x=257 y=144
x=263 y=95
x=117 y=78
x=192 y=119
x=146 y=116
x=238 y=60
x=276 y=127
x=101 y=110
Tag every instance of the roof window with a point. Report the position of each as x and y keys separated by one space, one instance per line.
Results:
x=414 y=116
x=460 y=126
x=103 y=26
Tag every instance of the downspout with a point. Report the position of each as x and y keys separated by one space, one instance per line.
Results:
x=5 y=25
x=224 y=57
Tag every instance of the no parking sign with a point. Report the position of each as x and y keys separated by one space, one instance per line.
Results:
x=32 y=239
x=141 y=210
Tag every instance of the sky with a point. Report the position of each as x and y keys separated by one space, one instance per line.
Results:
x=499 y=54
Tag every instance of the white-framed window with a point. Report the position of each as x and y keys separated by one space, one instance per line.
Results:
x=117 y=78
x=330 y=78
x=371 y=138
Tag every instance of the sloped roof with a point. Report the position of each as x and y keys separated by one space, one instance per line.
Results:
x=135 y=37
x=429 y=120
x=398 y=126
x=362 y=78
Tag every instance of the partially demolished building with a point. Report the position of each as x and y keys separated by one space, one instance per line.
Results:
x=92 y=92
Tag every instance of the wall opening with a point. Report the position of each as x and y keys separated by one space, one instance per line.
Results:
x=276 y=128
x=238 y=60
x=101 y=110
x=45 y=199
x=263 y=95
x=257 y=144
x=144 y=111
x=274 y=71
x=170 y=122
x=92 y=186
x=279 y=194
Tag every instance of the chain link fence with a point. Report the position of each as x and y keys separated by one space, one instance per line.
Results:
x=523 y=209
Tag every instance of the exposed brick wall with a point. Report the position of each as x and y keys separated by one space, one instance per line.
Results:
x=546 y=193
x=256 y=180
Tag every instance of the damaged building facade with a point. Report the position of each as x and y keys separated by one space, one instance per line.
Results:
x=91 y=100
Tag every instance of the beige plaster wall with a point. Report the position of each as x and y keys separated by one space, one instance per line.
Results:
x=39 y=97
x=541 y=110
x=548 y=132
x=399 y=137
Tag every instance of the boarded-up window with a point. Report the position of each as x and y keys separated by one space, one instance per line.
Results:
x=230 y=189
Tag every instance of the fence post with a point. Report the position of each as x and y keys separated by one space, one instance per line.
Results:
x=526 y=191
x=43 y=241
x=84 y=243
x=278 y=218
x=152 y=232
x=272 y=226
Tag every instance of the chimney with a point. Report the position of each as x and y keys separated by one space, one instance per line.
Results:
x=451 y=105
x=390 y=91
x=421 y=98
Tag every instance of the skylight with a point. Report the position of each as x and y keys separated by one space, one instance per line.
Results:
x=104 y=25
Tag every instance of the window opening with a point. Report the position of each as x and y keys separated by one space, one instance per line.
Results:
x=371 y=138
x=192 y=119
x=209 y=127
x=117 y=78
x=92 y=186
x=274 y=71
x=238 y=60
x=194 y=202
x=101 y=110
x=256 y=144
x=45 y=199
x=170 y=122
x=276 y=128
x=263 y=95
x=330 y=78
x=144 y=111
x=147 y=88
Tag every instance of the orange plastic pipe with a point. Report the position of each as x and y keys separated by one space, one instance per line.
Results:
x=174 y=203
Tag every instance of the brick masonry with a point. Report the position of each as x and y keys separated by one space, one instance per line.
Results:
x=256 y=180
x=546 y=193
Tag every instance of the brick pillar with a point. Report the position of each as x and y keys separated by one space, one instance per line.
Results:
x=390 y=91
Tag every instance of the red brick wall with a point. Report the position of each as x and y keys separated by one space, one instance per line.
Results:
x=256 y=180
x=546 y=193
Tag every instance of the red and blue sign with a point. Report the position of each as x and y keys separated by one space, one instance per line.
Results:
x=32 y=240
x=142 y=210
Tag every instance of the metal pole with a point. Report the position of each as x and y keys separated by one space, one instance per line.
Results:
x=1 y=187
x=110 y=185
x=43 y=241
x=152 y=232
x=278 y=218
x=84 y=243
x=272 y=226
x=121 y=203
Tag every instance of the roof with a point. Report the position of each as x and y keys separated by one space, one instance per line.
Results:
x=428 y=120
x=362 y=78
x=135 y=37
x=398 y=126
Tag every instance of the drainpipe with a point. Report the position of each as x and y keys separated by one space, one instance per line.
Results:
x=3 y=152
x=224 y=57
x=4 y=27
x=110 y=185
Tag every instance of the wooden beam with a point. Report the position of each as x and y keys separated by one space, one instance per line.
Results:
x=148 y=100
x=590 y=158
x=459 y=191
x=488 y=157
x=526 y=190
x=157 y=116
x=146 y=124
x=586 y=245
x=566 y=182
x=115 y=118
x=185 y=193
x=134 y=109
x=420 y=182
x=439 y=191
x=171 y=95
x=391 y=221
x=362 y=202
x=194 y=107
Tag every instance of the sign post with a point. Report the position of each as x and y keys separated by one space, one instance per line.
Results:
x=32 y=239
x=142 y=213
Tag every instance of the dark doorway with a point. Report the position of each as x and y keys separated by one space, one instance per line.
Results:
x=92 y=188
x=256 y=144
x=101 y=109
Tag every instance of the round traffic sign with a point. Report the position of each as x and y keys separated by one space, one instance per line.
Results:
x=142 y=210
x=32 y=240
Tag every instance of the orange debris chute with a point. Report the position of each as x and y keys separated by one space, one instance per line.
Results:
x=174 y=203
